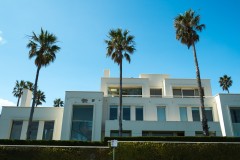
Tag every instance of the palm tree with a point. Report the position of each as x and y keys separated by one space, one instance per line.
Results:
x=40 y=98
x=119 y=46
x=187 y=25
x=43 y=47
x=29 y=85
x=18 y=90
x=225 y=82
x=58 y=102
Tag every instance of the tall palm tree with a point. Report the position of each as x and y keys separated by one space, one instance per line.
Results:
x=43 y=47
x=58 y=102
x=187 y=25
x=225 y=82
x=119 y=46
x=29 y=85
x=18 y=90
x=40 y=98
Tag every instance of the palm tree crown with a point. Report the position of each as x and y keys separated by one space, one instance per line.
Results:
x=58 y=102
x=187 y=25
x=40 y=98
x=18 y=90
x=225 y=82
x=119 y=46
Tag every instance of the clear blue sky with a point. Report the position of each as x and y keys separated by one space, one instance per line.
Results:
x=82 y=25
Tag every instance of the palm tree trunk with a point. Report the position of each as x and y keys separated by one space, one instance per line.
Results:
x=120 y=101
x=200 y=90
x=18 y=101
x=29 y=129
x=227 y=90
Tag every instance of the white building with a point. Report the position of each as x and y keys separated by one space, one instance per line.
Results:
x=153 y=105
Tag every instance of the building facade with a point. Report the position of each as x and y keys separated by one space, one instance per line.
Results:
x=153 y=105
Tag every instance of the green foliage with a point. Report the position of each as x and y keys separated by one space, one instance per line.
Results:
x=176 y=139
x=124 y=151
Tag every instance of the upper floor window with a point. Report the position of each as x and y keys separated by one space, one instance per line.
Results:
x=113 y=112
x=186 y=93
x=155 y=92
x=16 y=130
x=139 y=113
x=183 y=114
x=131 y=91
x=161 y=113
x=126 y=113
x=209 y=114
x=235 y=115
x=195 y=114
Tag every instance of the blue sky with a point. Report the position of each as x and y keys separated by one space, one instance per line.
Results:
x=82 y=25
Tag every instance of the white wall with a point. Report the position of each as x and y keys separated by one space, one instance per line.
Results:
x=41 y=114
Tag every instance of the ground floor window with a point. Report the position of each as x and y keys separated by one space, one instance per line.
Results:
x=200 y=133
x=125 y=133
x=16 y=130
x=82 y=121
x=162 y=133
x=48 y=130
x=34 y=130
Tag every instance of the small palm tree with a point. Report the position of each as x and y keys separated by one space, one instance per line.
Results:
x=119 y=46
x=225 y=82
x=40 y=98
x=29 y=85
x=58 y=102
x=187 y=25
x=43 y=47
x=18 y=90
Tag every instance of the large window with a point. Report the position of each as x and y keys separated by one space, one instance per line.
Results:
x=82 y=120
x=161 y=113
x=235 y=115
x=48 y=130
x=34 y=130
x=209 y=114
x=133 y=91
x=183 y=114
x=162 y=133
x=195 y=114
x=16 y=130
x=126 y=113
x=139 y=113
x=155 y=92
x=185 y=93
x=113 y=112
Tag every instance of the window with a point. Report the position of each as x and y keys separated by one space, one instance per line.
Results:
x=139 y=113
x=113 y=112
x=162 y=133
x=48 y=130
x=200 y=133
x=154 y=92
x=235 y=115
x=34 y=130
x=161 y=114
x=114 y=133
x=82 y=120
x=186 y=93
x=195 y=114
x=16 y=130
x=134 y=91
x=209 y=114
x=126 y=112
x=183 y=114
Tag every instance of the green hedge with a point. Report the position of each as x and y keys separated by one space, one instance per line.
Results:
x=177 y=151
x=35 y=153
x=180 y=139
x=52 y=142
x=127 y=151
